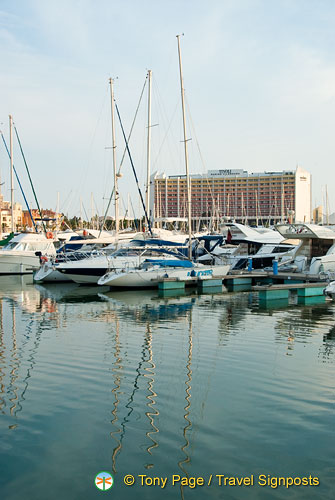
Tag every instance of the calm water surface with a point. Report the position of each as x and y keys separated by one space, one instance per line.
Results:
x=133 y=383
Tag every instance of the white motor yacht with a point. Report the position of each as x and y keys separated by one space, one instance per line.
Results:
x=315 y=252
x=133 y=253
x=19 y=255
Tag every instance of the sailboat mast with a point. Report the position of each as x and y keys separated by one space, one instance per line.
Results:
x=0 y=216
x=188 y=184
x=116 y=194
x=327 y=206
x=81 y=213
x=147 y=198
x=92 y=223
x=11 y=171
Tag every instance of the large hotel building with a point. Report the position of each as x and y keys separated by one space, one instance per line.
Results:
x=234 y=194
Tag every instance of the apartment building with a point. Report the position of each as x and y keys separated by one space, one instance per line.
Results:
x=50 y=218
x=234 y=194
x=6 y=216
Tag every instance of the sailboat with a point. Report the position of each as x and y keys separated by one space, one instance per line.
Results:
x=150 y=271
x=21 y=255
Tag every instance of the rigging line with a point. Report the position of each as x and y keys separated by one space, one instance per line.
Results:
x=30 y=180
x=124 y=152
x=87 y=219
x=125 y=209
x=199 y=150
x=90 y=148
x=18 y=180
x=134 y=171
x=132 y=125
x=167 y=122
x=155 y=161
x=96 y=208
x=67 y=200
x=132 y=207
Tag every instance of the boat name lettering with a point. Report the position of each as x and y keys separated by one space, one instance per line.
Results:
x=208 y=272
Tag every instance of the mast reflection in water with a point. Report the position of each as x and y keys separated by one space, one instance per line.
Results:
x=134 y=383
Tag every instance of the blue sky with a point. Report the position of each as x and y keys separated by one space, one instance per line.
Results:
x=259 y=78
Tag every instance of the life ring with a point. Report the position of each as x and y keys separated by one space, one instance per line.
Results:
x=44 y=259
x=49 y=235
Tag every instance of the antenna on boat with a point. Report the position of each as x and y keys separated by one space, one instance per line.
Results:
x=188 y=184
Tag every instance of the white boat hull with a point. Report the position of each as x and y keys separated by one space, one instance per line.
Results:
x=89 y=271
x=12 y=263
x=329 y=291
x=141 y=278
x=19 y=255
x=48 y=273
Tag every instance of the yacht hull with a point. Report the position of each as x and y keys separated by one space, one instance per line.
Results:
x=48 y=273
x=141 y=278
x=18 y=264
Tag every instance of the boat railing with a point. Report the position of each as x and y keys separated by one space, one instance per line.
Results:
x=327 y=275
x=75 y=256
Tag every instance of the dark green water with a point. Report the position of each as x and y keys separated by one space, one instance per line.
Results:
x=133 y=383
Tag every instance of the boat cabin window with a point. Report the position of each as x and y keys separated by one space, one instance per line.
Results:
x=320 y=247
x=22 y=247
x=281 y=249
x=10 y=246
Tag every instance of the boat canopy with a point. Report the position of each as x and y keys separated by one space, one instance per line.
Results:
x=305 y=231
x=170 y=263
x=155 y=242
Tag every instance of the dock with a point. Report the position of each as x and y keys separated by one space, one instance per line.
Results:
x=271 y=287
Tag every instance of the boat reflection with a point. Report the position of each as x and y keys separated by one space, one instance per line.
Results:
x=326 y=351
x=152 y=412
x=187 y=407
x=70 y=292
x=141 y=370
x=21 y=290
x=148 y=306
x=17 y=356
x=157 y=351
x=116 y=369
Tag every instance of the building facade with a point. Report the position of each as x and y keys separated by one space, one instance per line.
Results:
x=50 y=218
x=6 y=216
x=234 y=194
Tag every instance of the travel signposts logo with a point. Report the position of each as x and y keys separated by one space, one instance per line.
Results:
x=104 y=481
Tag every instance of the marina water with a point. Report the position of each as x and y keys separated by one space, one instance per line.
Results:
x=190 y=386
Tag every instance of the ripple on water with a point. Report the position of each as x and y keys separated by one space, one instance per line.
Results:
x=148 y=385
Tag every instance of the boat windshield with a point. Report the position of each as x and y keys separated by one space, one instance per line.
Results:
x=32 y=246
x=10 y=246
x=159 y=252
